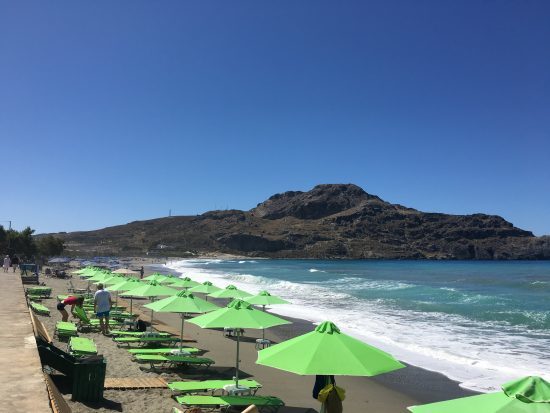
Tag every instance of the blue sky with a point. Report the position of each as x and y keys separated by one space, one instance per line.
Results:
x=118 y=111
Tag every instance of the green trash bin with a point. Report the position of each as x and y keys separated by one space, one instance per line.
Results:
x=89 y=379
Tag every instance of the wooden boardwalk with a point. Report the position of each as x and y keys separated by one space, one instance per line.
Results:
x=22 y=388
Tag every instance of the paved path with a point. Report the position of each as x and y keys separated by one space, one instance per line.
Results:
x=22 y=388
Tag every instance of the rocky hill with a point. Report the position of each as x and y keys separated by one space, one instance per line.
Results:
x=330 y=221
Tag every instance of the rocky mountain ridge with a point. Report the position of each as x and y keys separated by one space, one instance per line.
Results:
x=329 y=221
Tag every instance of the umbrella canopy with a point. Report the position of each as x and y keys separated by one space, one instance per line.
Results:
x=115 y=279
x=205 y=288
x=156 y=277
x=127 y=285
x=230 y=292
x=183 y=303
x=100 y=276
x=150 y=289
x=238 y=314
x=185 y=282
x=527 y=395
x=126 y=271
x=308 y=355
x=264 y=298
x=84 y=271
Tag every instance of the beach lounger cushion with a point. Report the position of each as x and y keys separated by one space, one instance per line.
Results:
x=65 y=328
x=173 y=360
x=81 y=346
x=164 y=350
x=209 y=385
x=91 y=322
x=261 y=401
x=139 y=333
x=146 y=340
x=39 y=308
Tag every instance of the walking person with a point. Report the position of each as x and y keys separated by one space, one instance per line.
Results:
x=7 y=263
x=15 y=262
x=102 y=307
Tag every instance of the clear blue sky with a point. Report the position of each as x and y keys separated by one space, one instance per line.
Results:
x=114 y=111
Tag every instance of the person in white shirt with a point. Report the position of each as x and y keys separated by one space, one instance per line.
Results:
x=102 y=307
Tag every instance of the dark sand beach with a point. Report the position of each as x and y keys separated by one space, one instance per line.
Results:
x=388 y=393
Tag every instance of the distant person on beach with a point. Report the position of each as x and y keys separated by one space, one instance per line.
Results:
x=7 y=263
x=141 y=272
x=71 y=300
x=102 y=307
x=15 y=262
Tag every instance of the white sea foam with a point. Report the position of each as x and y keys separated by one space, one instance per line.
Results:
x=481 y=355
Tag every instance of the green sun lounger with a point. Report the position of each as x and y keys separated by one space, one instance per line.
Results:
x=34 y=297
x=125 y=333
x=210 y=385
x=228 y=401
x=173 y=361
x=143 y=341
x=41 y=291
x=81 y=346
x=114 y=308
x=39 y=308
x=65 y=329
x=165 y=350
x=85 y=321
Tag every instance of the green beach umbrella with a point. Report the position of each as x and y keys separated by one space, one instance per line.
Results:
x=238 y=314
x=205 y=288
x=156 y=277
x=169 y=278
x=127 y=285
x=527 y=395
x=183 y=303
x=326 y=351
x=230 y=292
x=185 y=282
x=151 y=289
x=263 y=298
x=85 y=272
x=112 y=280
x=99 y=276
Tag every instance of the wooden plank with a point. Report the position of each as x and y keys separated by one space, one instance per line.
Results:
x=39 y=328
x=58 y=403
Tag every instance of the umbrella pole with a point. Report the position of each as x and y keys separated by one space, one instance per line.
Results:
x=263 y=329
x=181 y=335
x=130 y=304
x=151 y=328
x=237 y=372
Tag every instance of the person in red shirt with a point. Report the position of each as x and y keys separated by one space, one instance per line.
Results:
x=71 y=300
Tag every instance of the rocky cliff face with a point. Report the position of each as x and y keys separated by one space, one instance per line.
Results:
x=330 y=221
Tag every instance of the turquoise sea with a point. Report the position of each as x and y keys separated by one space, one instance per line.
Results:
x=481 y=323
